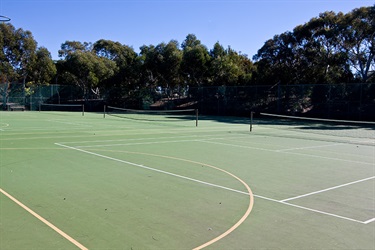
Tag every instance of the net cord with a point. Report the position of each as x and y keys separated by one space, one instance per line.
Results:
x=316 y=119
x=153 y=111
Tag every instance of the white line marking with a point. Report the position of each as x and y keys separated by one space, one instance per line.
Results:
x=369 y=221
x=70 y=123
x=136 y=143
x=147 y=138
x=152 y=142
x=295 y=153
x=332 y=158
x=300 y=148
x=211 y=184
x=310 y=209
x=328 y=189
x=321 y=212
x=152 y=169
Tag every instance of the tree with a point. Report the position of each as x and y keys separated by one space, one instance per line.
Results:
x=87 y=70
x=161 y=65
x=228 y=67
x=358 y=34
x=70 y=47
x=169 y=63
x=43 y=68
x=17 y=56
x=312 y=53
x=126 y=76
x=195 y=62
x=277 y=60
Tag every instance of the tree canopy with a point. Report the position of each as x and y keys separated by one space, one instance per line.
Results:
x=330 y=48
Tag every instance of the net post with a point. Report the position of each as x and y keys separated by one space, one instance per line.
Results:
x=40 y=107
x=104 y=111
x=83 y=109
x=251 y=120
x=196 y=117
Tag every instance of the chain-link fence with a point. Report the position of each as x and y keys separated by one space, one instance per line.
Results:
x=344 y=101
x=31 y=97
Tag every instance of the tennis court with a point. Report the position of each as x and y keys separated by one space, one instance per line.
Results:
x=69 y=181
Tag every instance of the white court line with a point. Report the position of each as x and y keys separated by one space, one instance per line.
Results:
x=369 y=221
x=299 y=148
x=287 y=152
x=70 y=123
x=211 y=184
x=155 y=142
x=321 y=212
x=313 y=210
x=152 y=169
x=135 y=143
x=328 y=189
x=155 y=138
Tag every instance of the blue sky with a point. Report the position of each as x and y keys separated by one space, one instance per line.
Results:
x=242 y=24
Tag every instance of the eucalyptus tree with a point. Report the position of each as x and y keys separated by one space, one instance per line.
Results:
x=87 y=70
x=322 y=48
x=150 y=60
x=229 y=67
x=127 y=71
x=161 y=67
x=276 y=60
x=17 y=56
x=218 y=69
x=195 y=61
x=9 y=53
x=43 y=67
x=170 y=58
x=358 y=34
x=315 y=52
x=69 y=47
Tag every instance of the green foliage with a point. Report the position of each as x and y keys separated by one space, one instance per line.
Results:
x=87 y=70
x=332 y=48
x=44 y=68
x=195 y=62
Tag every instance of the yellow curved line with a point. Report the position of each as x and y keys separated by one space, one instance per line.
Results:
x=49 y=224
x=235 y=226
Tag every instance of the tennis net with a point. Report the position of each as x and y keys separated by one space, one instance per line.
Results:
x=62 y=107
x=154 y=115
x=342 y=131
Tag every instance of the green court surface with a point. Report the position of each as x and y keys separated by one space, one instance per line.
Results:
x=69 y=181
